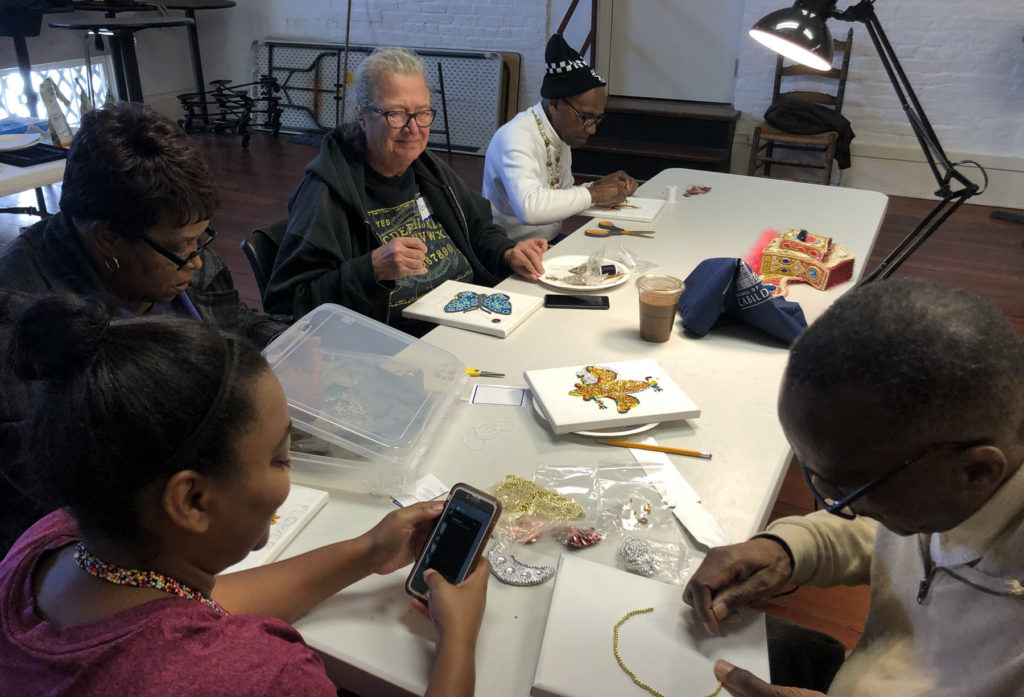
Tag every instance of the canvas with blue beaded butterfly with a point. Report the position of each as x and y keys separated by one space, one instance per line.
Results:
x=476 y=308
x=467 y=301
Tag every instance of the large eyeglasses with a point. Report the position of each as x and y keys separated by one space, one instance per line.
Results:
x=400 y=118
x=588 y=121
x=180 y=262
x=841 y=507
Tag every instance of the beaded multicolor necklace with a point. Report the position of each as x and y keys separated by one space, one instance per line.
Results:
x=554 y=164
x=138 y=578
x=630 y=673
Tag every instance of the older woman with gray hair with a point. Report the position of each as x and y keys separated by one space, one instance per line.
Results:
x=378 y=220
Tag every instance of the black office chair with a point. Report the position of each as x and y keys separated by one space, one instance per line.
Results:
x=261 y=249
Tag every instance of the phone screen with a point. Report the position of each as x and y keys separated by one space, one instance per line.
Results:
x=453 y=545
x=577 y=302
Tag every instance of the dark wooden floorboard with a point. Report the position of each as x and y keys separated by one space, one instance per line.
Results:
x=971 y=250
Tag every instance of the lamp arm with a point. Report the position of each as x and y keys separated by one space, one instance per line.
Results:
x=944 y=171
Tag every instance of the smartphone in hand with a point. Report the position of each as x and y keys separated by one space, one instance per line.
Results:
x=457 y=540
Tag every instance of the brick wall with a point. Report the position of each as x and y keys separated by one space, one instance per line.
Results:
x=965 y=61
x=519 y=26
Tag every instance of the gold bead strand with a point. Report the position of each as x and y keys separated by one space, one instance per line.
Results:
x=555 y=167
x=625 y=669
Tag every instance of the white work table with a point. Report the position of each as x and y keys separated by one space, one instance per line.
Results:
x=16 y=179
x=372 y=642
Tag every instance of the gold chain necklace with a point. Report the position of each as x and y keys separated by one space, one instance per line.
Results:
x=631 y=674
x=554 y=166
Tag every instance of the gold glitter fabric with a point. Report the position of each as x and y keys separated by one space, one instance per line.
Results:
x=521 y=496
x=597 y=383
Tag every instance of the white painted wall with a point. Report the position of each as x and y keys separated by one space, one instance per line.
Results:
x=521 y=26
x=964 y=59
x=646 y=52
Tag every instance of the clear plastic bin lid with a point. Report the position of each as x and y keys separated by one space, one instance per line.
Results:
x=362 y=385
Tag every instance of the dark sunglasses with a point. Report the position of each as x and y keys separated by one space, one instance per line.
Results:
x=179 y=262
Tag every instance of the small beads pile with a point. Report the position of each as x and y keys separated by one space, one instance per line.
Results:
x=637 y=557
x=578 y=538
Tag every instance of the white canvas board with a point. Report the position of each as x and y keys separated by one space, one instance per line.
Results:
x=298 y=509
x=476 y=308
x=663 y=648
x=571 y=398
x=634 y=209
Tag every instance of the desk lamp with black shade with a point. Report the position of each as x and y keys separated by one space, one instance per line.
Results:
x=801 y=34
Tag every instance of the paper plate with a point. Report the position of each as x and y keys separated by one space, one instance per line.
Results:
x=602 y=432
x=556 y=270
x=17 y=141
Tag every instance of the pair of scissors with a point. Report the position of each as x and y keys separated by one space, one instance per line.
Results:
x=609 y=229
x=477 y=373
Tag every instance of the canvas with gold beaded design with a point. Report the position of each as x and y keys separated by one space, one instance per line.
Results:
x=604 y=395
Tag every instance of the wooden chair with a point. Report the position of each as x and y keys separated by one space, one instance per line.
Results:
x=767 y=138
x=261 y=249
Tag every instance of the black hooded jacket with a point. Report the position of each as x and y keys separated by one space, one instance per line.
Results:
x=324 y=256
x=798 y=116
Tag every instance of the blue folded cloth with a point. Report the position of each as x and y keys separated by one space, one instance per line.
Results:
x=723 y=289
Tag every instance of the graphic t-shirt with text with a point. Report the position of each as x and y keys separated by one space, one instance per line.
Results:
x=398 y=210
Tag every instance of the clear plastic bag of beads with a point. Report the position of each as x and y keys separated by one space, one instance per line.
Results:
x=530 y=509
x=659 y=559
x=622 y=500
x=624 y=256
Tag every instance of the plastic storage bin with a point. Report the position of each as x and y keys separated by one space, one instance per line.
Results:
x=365 y=398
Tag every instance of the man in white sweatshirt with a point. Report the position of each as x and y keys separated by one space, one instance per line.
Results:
x=904 y=404
x=528 y=169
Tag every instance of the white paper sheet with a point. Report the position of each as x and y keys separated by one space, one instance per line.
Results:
x=498 y=395
x=646 y=210
x=663 y=648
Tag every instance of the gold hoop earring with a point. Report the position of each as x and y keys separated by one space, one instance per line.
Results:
x=112 y=264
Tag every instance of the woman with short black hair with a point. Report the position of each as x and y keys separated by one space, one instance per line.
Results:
x=165 y=446
x=133 y=228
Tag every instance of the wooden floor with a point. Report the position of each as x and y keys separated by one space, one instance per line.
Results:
x=971 y=251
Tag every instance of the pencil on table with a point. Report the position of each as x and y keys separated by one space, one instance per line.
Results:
x=660 y=449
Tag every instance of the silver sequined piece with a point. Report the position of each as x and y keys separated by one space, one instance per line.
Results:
x=637 y=558
x=510 y=570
